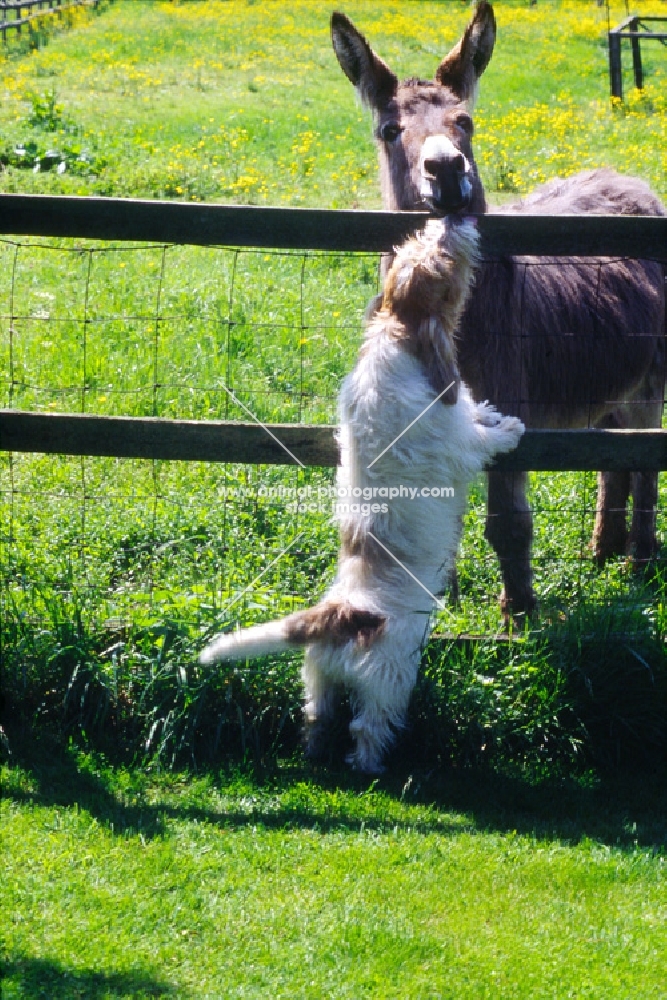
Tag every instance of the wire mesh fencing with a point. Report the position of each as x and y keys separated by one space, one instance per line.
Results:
x=170 y=332
x=149 y=553
x=215 y=333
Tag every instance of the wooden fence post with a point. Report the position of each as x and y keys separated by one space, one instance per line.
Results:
x=33 y=9
x=615 y=70
x=636 y=57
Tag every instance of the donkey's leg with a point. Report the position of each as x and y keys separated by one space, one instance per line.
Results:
x=646 y=413
x=643 y=543
x=509 y=529
x=610 y=533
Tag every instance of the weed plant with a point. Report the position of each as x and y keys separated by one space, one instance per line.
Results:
x=115 y=572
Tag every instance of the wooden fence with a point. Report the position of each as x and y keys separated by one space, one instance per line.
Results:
x=309 y=229
x=17 y=14
x=634 y=29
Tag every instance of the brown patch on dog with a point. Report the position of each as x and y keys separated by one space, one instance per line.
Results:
x=338 y=623
x=374 y=564
x=426 y=293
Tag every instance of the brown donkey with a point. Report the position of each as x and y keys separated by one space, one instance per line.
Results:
x=558 y=342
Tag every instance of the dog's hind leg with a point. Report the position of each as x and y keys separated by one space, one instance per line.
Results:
x=373 y=734
x=321 y=699
x=379 y=711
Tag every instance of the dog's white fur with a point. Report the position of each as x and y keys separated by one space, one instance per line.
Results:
x=368 y=631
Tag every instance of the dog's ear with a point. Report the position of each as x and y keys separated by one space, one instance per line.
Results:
x=437 y=354
x=426 y=339
x=443 y=374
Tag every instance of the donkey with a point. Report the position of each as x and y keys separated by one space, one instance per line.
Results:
x=560 y=342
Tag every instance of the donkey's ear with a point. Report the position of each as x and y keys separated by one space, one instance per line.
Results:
x=462 y=67
x=375 y=82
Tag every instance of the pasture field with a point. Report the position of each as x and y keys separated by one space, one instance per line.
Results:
x=192 y=100
x=245 y=102
x=493 y=860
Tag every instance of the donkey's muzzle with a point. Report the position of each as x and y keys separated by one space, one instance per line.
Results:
x=445 y=176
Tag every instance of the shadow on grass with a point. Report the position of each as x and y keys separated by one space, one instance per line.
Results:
x=626 y=811
x=32 y=978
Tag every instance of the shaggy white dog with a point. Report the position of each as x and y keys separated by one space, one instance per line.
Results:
x=411 y=441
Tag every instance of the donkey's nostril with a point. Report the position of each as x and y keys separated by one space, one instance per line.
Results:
x=434 y=166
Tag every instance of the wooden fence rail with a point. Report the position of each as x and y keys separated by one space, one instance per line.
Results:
x=129 y=219
x=17 y=7
x=305 y=444
x=309 y=229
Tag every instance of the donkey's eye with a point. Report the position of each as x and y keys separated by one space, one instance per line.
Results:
x=464 y=122
x=390 y=132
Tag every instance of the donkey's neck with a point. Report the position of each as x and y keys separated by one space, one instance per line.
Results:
x=478 y=203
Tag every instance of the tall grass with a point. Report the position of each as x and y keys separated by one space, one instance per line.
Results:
x=114 y=572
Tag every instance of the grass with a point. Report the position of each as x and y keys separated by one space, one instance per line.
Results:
x=203 y=105
x=161 y=835
x=115 y=571
x=427 y=885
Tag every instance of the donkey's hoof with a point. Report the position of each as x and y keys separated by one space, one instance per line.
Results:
x=646 y=566
x=519 y=608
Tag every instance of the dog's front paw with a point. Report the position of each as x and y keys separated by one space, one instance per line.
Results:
x=504 y=431
x=487 y=415
x=513 y=429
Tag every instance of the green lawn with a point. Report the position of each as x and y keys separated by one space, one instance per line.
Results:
x=491 y=861
x=460 y=885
